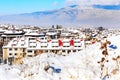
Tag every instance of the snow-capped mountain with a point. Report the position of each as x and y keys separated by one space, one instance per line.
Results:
x=66 y=16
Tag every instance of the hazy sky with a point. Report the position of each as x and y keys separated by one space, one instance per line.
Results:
x=27 y=6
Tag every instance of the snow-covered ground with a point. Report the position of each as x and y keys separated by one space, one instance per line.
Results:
x=82 y=65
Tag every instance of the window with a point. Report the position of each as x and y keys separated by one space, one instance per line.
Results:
x=23 y=49
x=29 y=51
x=29 y=55
x=34 y=46
x=42 y=38
x=15 y=54
x=54 y=46
x=10 y=54
x=54 y=42
x=22 y=44
x=43 y=46
x=63 y=50
x=31 y=38
x=53 y=51
x=69 y=51
x=74 y=50
x=10 y=49
x=15 y=49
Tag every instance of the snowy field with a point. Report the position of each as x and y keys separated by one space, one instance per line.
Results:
x=88 y=64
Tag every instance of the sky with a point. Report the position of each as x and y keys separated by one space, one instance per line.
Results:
x=27 y=6
x=8 y=7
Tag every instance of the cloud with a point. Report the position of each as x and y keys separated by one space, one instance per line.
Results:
x=93 y=2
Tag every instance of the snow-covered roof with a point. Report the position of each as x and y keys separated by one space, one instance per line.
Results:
x=31 y=34
x=37 y=43
x=50 y=33
x=17 y=43
x=11 y=32
x=1 y=30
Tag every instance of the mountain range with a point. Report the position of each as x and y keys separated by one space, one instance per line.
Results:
x=71 y=15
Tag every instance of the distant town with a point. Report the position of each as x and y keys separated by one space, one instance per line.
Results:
x=18 y=42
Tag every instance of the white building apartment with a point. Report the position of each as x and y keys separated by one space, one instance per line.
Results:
x=19 y=48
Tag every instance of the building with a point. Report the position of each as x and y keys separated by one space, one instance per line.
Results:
x=18 y=48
